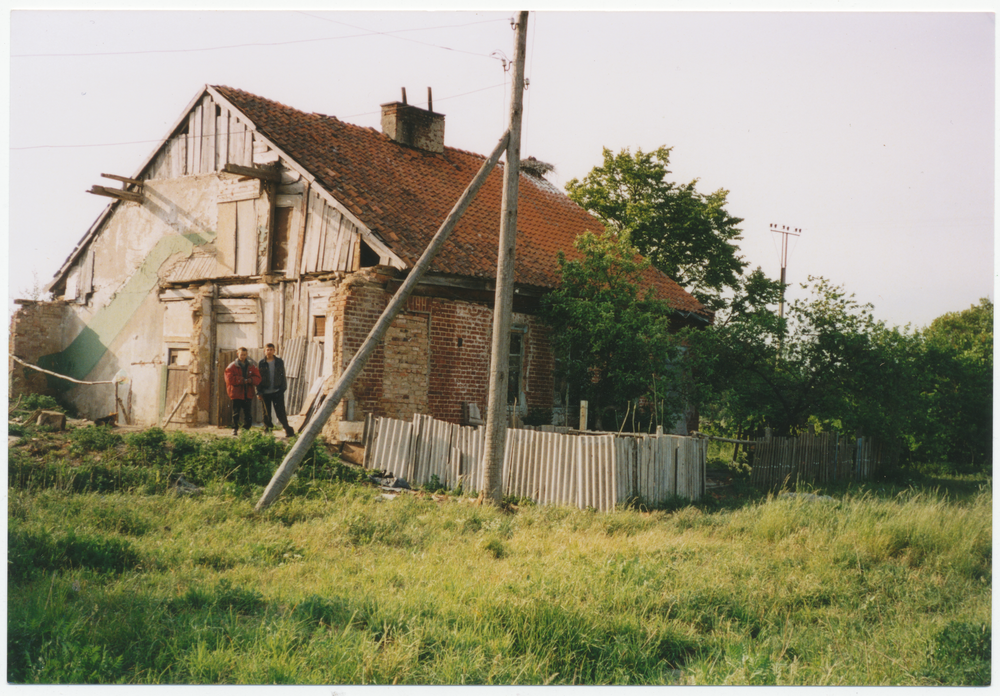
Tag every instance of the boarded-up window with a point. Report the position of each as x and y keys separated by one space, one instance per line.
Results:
x=237 y=239
x=319 y=328
x=282 y=233
x=86 y=284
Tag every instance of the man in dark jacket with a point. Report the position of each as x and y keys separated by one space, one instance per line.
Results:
x=241 y=378
x=272 y=389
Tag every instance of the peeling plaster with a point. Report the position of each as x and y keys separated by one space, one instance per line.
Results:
x=85 y=351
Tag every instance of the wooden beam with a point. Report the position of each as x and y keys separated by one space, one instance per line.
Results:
x=255 y=172
x=116 y=193
x=124 y=179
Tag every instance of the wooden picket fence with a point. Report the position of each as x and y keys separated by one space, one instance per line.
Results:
x=596 y=470
x=823 y=458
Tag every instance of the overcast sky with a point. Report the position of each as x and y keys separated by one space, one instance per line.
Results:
x=872 y=132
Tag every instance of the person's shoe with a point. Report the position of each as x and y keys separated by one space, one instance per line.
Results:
x=236 y=432
x=289 y=432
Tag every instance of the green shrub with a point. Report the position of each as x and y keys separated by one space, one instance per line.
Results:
x=538 y=415
x=960 y=655
x=93 y=438
x=146 y=446
x=29 y=403
x=495 y=548
x=435 y=485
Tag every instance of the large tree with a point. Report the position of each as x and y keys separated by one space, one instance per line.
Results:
x=956 y=366
x=828 y=361
x=686 y=234
x=612 y=338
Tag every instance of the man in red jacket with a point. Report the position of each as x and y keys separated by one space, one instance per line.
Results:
x=241 y=378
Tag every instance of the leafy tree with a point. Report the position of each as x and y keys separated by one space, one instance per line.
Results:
x=829 y=361
x=613 y=339
x=956 y=365
x=686 y=234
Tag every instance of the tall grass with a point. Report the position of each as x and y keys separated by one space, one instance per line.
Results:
x=335 y=584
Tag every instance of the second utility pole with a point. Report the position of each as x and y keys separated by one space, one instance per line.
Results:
x=496 y=418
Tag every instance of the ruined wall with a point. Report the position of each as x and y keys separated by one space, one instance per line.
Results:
x=434 y=357
x=35 y=330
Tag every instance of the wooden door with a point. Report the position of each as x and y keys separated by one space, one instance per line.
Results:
x=224 y=414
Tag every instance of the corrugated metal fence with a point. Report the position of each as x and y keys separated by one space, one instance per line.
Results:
x=598 y=470
x=823 y=458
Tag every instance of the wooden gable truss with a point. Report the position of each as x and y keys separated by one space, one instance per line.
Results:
x=300 y=225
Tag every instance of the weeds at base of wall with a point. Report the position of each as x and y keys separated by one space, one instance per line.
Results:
x=98 y=459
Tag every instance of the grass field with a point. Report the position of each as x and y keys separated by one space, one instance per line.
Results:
x=114 y=579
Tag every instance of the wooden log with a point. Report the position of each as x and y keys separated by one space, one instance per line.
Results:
x=253 y=172
x=52 y=419
x=176 y=406
x=116 y=193
x=291 y=462
x=124 y=179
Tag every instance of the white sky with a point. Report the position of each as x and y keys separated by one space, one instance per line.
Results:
x=873 y=132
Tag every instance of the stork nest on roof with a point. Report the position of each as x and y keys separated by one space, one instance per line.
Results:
x=536 y=168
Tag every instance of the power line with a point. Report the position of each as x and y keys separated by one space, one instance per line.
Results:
x=390 y=34
x=368 y=32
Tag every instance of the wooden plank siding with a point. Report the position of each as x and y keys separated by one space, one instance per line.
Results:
x=817 y=459
x=332 y=241
x=320 y=237
x=212 y=137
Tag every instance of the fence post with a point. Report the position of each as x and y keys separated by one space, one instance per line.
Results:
x=583 y=416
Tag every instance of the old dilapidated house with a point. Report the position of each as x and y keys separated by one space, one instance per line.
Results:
x=254 y=222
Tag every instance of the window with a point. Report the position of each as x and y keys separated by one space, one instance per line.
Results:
x=319 y=327
x=368 y=256
x=178 y=357
x=515 y=364
x=279 y=243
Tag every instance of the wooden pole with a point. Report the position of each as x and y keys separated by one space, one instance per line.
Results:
x=294 y=457
x=496 y=430
x=176 y=406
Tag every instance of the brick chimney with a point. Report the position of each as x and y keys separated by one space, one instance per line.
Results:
x=413 y=126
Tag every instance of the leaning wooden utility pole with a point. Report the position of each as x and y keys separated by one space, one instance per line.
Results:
x=294 y=457
x=496 y=418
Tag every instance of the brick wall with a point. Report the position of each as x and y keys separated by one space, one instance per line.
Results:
x=35 y=330
x=433 y=358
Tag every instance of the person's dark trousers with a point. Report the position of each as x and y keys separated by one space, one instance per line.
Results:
x=244 y=405
x=278 y=400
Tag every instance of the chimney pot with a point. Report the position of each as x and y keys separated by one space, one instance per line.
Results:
x=412 y=126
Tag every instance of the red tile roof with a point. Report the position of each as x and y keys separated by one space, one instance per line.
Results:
x=403 y=194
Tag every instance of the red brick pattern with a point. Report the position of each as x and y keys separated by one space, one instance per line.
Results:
x=433 y=358
x=35 y=330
